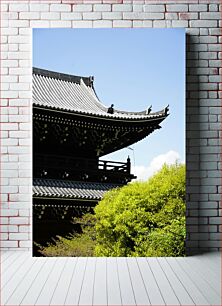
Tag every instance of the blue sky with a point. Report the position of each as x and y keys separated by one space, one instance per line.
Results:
x=132 y=68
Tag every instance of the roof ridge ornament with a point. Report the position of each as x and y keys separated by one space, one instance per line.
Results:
x=166 y=110
x=110 y=109
x=91 y=80
x=148 y=111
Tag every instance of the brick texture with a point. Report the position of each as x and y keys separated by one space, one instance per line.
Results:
x=201 y=18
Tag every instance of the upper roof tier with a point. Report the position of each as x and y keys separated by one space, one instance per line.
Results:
x=70 y=93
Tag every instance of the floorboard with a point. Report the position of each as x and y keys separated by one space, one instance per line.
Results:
x=110 y=281
x=208 y=274
x=188 y=283
x=37 y=284
x=100 y=283
x=5 y=255
x=165 y=287
x=11 y=261
x=47 y=291
x=75 y=286
x=211 y=260
x=204 y=287
x=86 y=294
x=180 y=291
x=138 y=285
x=126 y=289
x=64 y=282
x=13 y=270
x=113 y=285
x=16 y=289
x=151 y=285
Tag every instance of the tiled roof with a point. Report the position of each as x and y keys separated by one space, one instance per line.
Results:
x=44 y=188
x=75 y=94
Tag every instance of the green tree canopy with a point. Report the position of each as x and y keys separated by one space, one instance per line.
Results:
x=144 y=218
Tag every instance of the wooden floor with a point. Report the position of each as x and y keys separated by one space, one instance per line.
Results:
x=110 y=281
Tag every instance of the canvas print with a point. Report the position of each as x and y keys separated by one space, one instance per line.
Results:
x=108 y=142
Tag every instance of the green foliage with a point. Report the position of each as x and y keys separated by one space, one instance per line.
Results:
x=166 y=241
x=144 y=218
x=140 y=219
x=77 y=245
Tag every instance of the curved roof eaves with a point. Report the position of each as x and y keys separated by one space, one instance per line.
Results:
x=75 y=94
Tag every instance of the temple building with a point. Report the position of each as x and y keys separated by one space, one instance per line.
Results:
x=72 y=130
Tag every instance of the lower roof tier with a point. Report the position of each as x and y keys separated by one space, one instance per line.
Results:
x=70 y=190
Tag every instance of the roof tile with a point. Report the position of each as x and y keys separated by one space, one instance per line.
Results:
x=75 y=94
x=70 y=189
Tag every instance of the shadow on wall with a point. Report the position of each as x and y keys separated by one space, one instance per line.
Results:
x=197 y=226
x=192 y=147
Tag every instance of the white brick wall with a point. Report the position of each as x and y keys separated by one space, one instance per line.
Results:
x=200 y=17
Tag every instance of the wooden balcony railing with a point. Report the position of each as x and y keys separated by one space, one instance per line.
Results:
x=66 y=167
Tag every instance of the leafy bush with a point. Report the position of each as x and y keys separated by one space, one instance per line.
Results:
x=144 y=218
x=140 y=219
x=166 y=241
x=76 y=245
